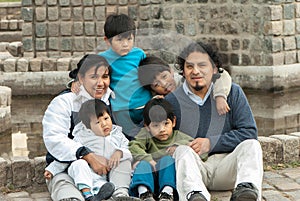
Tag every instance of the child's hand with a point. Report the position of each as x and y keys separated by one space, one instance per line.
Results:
x=75 y=87
x=48 y=175
x=153 y=164
x=170 y=150
x=135 y=164
x=114 y=160
x=222 y=106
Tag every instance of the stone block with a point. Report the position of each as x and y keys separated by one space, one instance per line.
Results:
x=73 y=62
x=290 y=57
x=3 y=172
x=9 y=65
x=15 y=49
x=22 y=172
x=276 y=12
x=35 y=64
x=51 y=2
x=288 y=11
x=100 y=13
x=27 y=29
x=288 y=27
x=39 y=163
x=66 y=44
x=75 y=2
x=99 y=28
x=78 y=28
x=88 y=13
x=13 y=25
x=53 y=13
x=53 y=43
x=272 y=150
x=77 y=14
x=39 y=2
x=53 y=29
x=290 y=147
x=49 y=64
x=90 y=43
x=40 y=44
x=89 y=28
x=79 y=44
x=22 y=65
x=99 y=2
x=63 y=64
x=65 y=13
x=64 y=2
x=5 y=96
x=66 y=28
x=40 y=13
x=110 y=10
x=41 y=29
x=27 y=14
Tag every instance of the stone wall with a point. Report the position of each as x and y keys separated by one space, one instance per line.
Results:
x=5 y=110
x=21 y=172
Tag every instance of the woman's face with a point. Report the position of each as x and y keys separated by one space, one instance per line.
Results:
x=95 y=81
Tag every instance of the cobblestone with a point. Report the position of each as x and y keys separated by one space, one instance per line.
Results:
x=278 y=185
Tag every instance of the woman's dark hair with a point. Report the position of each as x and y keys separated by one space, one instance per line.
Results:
x=214 y=56
x=149 y=68
x=88 y=61
x=158 y=110
x=119 y=25
x=92 y=108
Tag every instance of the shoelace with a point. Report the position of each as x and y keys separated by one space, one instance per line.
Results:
x=189 y=195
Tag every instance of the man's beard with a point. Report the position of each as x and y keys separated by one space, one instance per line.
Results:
x=198 y=87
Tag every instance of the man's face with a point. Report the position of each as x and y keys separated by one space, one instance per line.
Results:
x=122 y=45
x=96 y=82
x=198 y=72
x=161 y=130
x=164 y=83
x=101 y=126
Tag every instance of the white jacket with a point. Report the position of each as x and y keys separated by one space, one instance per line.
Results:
x=57 y=123
x=103 y=146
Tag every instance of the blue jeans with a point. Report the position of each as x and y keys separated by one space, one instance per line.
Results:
x=165 y=175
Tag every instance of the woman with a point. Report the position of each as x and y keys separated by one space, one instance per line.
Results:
x=61 y=116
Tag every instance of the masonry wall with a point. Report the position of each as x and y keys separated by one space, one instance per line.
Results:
x=248 y=32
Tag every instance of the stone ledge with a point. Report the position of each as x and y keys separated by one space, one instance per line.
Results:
x=26 y=173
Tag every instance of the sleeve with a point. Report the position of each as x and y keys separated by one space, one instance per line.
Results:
x=124 y=147
x=56 y=167
x=242 y=123
x=56 y=126
x=222 y=85
x=138 y=146
x=182 y=138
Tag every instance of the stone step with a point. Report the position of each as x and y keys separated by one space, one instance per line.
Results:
x=10 y=36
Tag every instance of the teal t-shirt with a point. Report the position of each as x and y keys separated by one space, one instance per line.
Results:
x=129 y=94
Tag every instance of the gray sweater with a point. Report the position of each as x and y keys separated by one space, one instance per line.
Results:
x=226 y=131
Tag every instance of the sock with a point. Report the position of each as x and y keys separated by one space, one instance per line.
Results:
x=168 y=189
x=122 y=191
x=87 y=195
x=142 y=189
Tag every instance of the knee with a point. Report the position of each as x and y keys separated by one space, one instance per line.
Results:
x=79 y=163
x=251 y=144
x=143 y=167
x=182 y=150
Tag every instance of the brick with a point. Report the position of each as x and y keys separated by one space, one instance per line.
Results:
x=290 y=57
x=289 y=43
x=66 y=28
x=288 y=27
x=63 y=64
x=40 y=13
x=89 y=28
x=49 y=64
x=100 y=13
x=27 y=29
x=53 y=28
x=65 y=13
x=41 y=29
x=88 y=13
x=22 y=65
x=53 y=13
x=9 y=65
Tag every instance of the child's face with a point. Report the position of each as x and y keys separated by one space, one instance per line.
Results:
x=122 y=45
x=101 y=126
x=164 y=83
x=161 y=130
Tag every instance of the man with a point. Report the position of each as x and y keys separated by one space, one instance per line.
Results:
x=230 y=140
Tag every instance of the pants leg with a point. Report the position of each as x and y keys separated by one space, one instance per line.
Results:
x=244 y=164
x=121 y=175
x=61 y=186
x=142 y=175
x=166 y=172
x=191 y=172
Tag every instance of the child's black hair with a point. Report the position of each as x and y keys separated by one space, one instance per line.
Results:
x=88 y=61
x=158 y=110
x=149 y=68
x=119 y=25
x=92 y=108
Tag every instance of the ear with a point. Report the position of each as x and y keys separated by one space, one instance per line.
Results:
x=215 y=70
x=80 y=78
x=107 y=41
x=174 y=122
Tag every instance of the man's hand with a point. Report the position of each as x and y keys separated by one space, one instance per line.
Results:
x=114 y=160
x=200 y=145
x=97 y=163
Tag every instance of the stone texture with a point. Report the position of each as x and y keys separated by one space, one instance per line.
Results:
x=272 y=150
x=22 y=164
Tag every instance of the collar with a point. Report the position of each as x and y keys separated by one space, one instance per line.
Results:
x=84 y=95
x=195 y=98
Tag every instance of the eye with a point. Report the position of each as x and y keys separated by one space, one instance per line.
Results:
x=105 y=76
x=95 y=76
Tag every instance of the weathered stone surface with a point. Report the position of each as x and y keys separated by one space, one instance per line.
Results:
x=3 y=171
x=290 y=146
x=272 y=150
x=9 y=65
x=22 y=165
x=63 y=64
x=39 y=163
x=5 y=96
x=22 y=65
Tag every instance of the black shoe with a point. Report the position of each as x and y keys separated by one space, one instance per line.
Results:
x=148 y=196
x=195 y=196
x=165 y=197
x=105 y=192
x=244 y=192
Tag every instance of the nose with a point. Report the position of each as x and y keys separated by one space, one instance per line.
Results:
x=196 y=70
x=100 y=82
x=124 y=42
